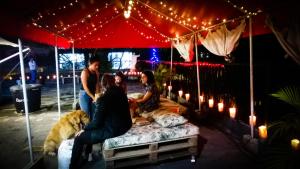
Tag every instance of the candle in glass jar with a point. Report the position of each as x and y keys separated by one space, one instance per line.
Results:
x=262 y=132
x=180 y=93
x=187 y=96
x=221 y=107
x=232 y=112
x=211 y=103
x=252 y=120
x=295 y=143
x=201 y=98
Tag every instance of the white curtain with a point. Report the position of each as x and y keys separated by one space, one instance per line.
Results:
x=5 y=42
x=185 y=47
x=221 y=41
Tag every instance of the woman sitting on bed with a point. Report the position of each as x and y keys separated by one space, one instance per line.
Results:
x=150 y=101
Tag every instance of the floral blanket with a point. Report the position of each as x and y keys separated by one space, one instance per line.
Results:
x=153 y=132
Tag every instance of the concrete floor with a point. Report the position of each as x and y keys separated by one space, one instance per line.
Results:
x=216 y=149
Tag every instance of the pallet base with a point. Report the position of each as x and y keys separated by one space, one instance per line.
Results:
x=150 y=153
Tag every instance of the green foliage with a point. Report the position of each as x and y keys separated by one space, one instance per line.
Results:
x=289 y=125
x=277 y=153
x=161 y=75
x=290 y=95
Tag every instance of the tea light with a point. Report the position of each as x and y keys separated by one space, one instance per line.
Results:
x=232 y=112
x=221 y=107
x=262 y=132
x=187 y=96
x=211 y=103
x=295 y=143
x=252 y=120
x=180 y=93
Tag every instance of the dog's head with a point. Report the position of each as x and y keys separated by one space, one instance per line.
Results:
x=79 y=117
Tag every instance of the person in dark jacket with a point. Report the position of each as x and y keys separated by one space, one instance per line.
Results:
x=111 y=119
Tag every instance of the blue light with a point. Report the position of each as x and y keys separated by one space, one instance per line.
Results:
x=154 y=58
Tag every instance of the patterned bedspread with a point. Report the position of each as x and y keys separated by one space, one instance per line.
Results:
x=150 y=133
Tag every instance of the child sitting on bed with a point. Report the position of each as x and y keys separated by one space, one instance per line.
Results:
x=150 y=101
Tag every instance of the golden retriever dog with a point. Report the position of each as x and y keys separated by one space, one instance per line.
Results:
x=64 y=129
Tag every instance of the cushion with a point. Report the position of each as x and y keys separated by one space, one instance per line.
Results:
x=168 y=119
x=135 y=95
x=140 y=135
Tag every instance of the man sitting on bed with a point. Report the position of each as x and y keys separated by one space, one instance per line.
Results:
x=150 y=101
x=111 y=119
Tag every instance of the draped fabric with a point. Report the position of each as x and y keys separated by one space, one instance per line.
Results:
x=221 y=41
x=185 y=48
x=5 y=42
x=288 y=36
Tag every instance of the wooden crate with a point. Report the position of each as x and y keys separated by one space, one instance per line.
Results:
x=151 y=152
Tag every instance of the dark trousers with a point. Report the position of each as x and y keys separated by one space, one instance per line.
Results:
x=80 y=141
x=85 y=138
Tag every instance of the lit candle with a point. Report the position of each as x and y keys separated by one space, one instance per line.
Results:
x=221 y=107
x=295 y=143
x=201 y=98
x=165 y=84
x=27 y=77
x=54 y=76
x=169 y=88
x=211 y=103
x=232 y=112
x=187 y=96
x=48 y=77
x=262 y=132
x=252 y=120
x=180 y=92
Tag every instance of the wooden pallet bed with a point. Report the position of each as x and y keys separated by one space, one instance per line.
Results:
x=150 y=153
x=167 y=147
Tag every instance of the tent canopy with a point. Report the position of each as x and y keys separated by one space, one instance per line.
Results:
x=101 y=24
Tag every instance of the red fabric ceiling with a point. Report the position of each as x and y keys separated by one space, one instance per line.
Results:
x=101 y=24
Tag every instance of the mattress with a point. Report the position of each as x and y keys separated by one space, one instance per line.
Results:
x=153 y=132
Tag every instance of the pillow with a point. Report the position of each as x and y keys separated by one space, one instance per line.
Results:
x=135 y=95
x=168 y=119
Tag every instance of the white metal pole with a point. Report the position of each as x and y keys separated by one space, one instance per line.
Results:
x=25 y=99
x=74 y=78
x=198 y=74
x=57 y=81
x=13 y=55
x=171 y=70
x=251 y=76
